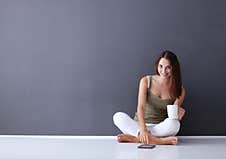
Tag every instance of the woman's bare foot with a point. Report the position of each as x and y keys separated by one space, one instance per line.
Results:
x=127 y=138
x=163 y=141
x=172 y=140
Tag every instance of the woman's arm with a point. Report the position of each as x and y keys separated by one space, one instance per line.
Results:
x=179 y=102
x=142 y=95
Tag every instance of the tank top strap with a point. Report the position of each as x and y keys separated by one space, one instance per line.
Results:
x=149 y=80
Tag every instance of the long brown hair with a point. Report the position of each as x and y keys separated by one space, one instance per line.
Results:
x=176 y=87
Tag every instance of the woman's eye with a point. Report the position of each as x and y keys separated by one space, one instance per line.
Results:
x=168 y=67
x=160 y=66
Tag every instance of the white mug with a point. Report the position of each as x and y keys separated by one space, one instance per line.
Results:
x=172 y=111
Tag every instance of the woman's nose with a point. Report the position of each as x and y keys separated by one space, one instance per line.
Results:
x=163 y=70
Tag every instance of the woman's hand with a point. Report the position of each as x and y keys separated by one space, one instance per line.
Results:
x=144 y=137
x=181 y=113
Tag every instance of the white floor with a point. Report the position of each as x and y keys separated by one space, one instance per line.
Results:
x=106 y=147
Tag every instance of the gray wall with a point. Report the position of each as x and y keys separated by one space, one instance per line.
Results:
x=66 y=66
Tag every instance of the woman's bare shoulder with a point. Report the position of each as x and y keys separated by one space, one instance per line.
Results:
x=143 y=79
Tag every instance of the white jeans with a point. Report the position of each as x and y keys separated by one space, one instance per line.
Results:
x=168 y=127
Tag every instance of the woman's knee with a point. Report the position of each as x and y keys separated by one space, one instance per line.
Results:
x=173 y=126
x=118 y=117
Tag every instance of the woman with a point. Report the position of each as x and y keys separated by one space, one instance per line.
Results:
x=151 y=124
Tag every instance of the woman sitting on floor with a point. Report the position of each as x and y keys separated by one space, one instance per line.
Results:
x=151 y=124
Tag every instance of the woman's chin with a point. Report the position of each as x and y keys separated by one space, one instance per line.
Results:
x=164 y=76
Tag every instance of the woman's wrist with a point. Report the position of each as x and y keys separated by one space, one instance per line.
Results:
x=144 y=129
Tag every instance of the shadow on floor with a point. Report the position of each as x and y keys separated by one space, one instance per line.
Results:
x=205 y=141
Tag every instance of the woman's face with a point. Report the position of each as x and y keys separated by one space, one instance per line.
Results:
x=164 y=68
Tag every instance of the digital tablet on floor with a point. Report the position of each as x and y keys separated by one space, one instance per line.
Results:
x=146 y=146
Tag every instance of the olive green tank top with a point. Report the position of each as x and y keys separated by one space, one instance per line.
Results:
x=155 y=111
